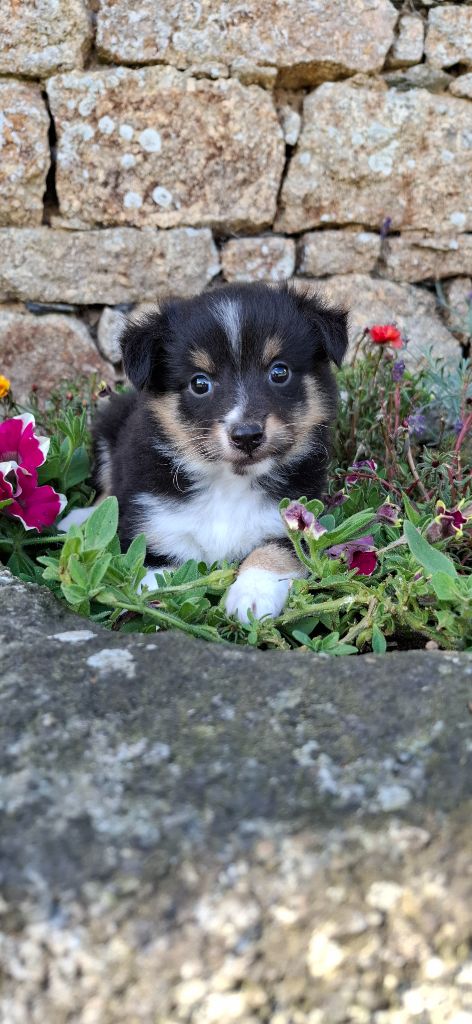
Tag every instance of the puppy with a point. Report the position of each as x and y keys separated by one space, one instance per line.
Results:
x=230 y=411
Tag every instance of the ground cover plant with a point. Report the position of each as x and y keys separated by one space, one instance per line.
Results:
x=387 y=554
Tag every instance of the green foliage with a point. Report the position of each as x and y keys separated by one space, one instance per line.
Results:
x=419 y=592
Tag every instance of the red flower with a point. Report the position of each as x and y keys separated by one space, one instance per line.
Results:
x=21 y=453
x=359 y=554
x=386 y=334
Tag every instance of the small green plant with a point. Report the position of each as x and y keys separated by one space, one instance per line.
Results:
x=386 y=557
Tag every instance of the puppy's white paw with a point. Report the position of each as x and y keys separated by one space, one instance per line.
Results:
x=75 y=518
x=260 y=591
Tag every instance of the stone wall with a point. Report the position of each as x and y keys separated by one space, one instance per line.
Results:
x=157 y=147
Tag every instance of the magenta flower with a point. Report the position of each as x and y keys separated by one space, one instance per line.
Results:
x=389 y=514
x=300 y=519
x=21 y=453
x=359 y=554
x=19 y=443
x=359 y=469
x=448 y=522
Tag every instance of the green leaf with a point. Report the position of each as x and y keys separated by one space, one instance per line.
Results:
x=73 y=593
x=101 y=528
x=78 y=572
x=328 y=521
x=347 y=530
x=445 y=588
x=315 y=507
x=430 y=558
x=78 y=470
x=136 y=553
x=379 y=643
x=3 y=504
x=97 y=572
x=412 y=515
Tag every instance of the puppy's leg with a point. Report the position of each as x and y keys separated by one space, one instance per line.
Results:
x=263 y=582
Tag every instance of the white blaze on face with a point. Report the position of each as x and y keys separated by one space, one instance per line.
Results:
x=227 y=313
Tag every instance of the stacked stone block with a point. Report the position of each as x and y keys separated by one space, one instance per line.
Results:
x=156 y=148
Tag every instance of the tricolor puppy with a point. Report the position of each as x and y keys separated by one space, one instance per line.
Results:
x=230 y=410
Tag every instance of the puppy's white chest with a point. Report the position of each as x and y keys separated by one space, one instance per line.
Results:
x=225 y=519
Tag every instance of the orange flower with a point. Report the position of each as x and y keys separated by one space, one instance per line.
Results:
x=386 y=334
x=4 y=386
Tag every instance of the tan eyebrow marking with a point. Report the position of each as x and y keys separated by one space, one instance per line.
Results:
x=272 y=349
x=203 y=360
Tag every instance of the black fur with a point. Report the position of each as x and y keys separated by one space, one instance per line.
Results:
x=157 y=357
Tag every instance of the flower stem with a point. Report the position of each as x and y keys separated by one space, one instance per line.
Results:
x=314 y=609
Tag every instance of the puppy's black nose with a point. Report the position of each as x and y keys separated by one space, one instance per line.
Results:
x=247 y=436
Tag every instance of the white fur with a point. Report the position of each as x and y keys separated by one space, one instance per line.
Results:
x=261 y=591
x=75 y=518
x=227 y=313
x=226 y=518
x=149 y=579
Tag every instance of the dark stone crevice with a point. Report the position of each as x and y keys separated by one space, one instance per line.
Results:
x=50 y=198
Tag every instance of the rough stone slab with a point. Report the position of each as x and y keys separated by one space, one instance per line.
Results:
x=109 y=328
x=270 y=258
x=155 y=147
x=306 y=43
x=366 y=153
x=408 y=46
x=374 y=301
x=414 y=257
x=462 y=86
x=421 y=76
x=449 y=36
x=458 y=295
x=39 y=38
x=109 y=266
x=346 y=251
x=24 y=153
x=198 y=833
x=44 y=351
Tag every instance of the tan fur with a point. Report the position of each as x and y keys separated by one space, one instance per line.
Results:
x=272 y=349
x=312 y=412
x=202 y=360
x=274 y=558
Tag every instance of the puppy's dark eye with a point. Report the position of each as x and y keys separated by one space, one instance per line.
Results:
x=279 y=373
x=201 y=385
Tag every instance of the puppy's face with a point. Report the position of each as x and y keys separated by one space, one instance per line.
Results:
x=240 y=375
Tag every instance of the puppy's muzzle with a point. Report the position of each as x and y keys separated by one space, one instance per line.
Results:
x=247 y=436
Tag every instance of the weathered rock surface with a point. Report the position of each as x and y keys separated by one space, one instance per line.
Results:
x=375 y=301
x=37 y=39
x=208 y=835
x=109 y=266
x=345 y=251
x=458 y=295
x=449 y=37
x=24 y=153
x=367 y=152
x=44 y=351
x=157 y=147
x=305 y=42
x=408 y=46
x=109 y=329
x=270 y=258
x=420 y=76
x=462 y=86
x=416 y=257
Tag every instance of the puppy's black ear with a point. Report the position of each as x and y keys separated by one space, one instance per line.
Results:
x=330 y=324
x=142 y=350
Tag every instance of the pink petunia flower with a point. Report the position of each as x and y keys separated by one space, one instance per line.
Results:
x=21 y=453
x=359 y=554
x=300 y=519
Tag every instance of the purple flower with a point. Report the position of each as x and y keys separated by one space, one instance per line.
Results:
x=448 y=522
x=359 y=554
x=300 y=519
x=334 y=500
x=388 y=513
x=416 y=423
x=458 y=426
x=398 y=369
x=359 y=469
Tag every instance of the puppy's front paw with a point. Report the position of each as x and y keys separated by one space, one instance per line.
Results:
x=260 y=591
